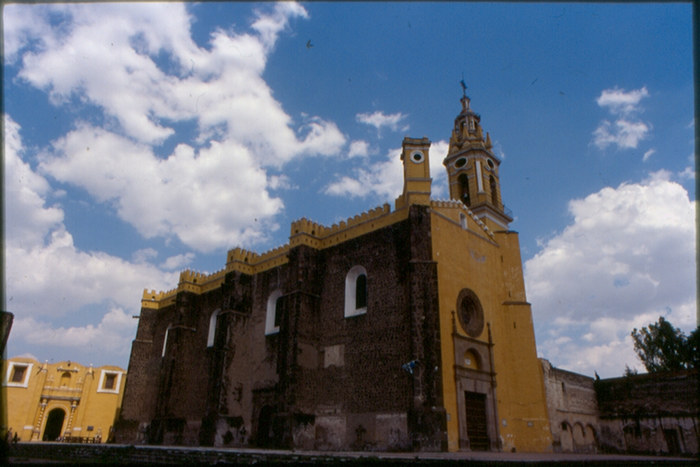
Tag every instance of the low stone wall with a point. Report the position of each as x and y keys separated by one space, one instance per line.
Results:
x=128 y=454
x=121 y=454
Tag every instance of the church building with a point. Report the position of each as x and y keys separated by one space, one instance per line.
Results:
x=62 y=401
x=403 y=328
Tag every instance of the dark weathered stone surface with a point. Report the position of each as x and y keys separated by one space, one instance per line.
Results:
x=655 y=413
x=325 y=381
x=651 y=393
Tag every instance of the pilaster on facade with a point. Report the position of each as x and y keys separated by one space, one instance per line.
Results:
x=39 y=420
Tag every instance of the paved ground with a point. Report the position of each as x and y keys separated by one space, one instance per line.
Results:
x=124 y=454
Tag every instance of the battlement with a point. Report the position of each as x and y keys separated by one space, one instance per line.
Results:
x=191 y=277
x=190 y=281
x=302 y=232
x=313 y=234
x=249 y=262
x=154 y=300
x=314 y=229
x=308 y=227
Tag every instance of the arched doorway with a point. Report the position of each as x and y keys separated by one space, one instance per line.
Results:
x=264 y=436
x=54 y=424
x=567 y=438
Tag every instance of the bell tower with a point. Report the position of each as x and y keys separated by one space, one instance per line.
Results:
x=472 y=170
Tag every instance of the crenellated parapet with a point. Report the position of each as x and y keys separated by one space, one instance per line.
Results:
x=249 y=262
x=302 y=232
x=190 y=281
x=315 y=235
x=154 y=300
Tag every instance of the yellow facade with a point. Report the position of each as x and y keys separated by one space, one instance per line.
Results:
x=61 y=401
x=467 y=257
x=480 y=270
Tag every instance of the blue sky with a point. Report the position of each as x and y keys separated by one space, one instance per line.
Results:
x=143 y=139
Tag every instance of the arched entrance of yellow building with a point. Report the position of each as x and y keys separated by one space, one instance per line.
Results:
x=54 y=424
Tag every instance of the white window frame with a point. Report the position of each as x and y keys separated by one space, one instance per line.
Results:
x=10 y=370
x=463 y=220
x=165 y=340
x=117 y=381
x=213 y=321
x=270 y=327
x=350 y=292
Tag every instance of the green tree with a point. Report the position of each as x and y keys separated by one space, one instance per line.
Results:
x=662 y=347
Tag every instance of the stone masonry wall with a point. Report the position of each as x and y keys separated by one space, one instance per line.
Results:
x=650 y=413
x=324 y=381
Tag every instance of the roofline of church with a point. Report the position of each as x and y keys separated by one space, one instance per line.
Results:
x=302 y=232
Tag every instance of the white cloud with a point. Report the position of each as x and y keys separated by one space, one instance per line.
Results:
x=627 y=258
x=219 y=87
x=55 y=278
x=28 y=219
x=112 y=335
x=19 y=30
x=379 y=120
x=627 y=130
x=358 y=149
x=687 y=174
x=648 y=154
x=622 y=133
x=270 y=25
x=189 y=194
x=144 y=255
x=621 y=102
x=177 y=262
x=139 y=65
x=384 y=179
x=47 y=277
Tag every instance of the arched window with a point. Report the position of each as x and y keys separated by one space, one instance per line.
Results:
x=65 y=378
x=463 y=220
x=356 y=292
x=578 y=434
x=361 y=291
x=165 y=340
x=464 y=189
x=472 y=360
x=494 y=190
x=212 y=328
x=273 y=317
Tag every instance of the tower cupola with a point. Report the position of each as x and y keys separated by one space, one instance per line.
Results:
x=473 y=169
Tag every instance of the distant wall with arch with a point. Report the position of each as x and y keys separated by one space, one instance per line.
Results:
x=654 y=413
x=573 y=410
